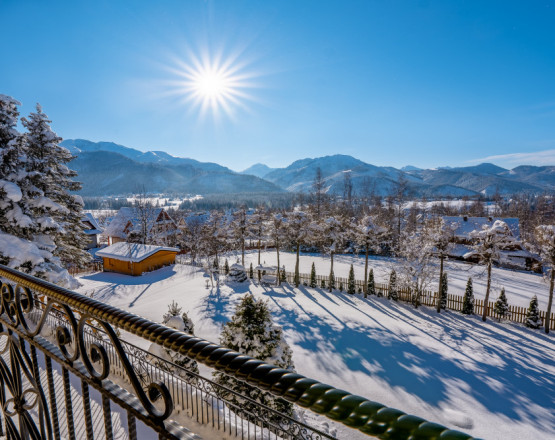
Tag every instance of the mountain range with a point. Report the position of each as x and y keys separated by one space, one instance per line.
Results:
x=106 y=168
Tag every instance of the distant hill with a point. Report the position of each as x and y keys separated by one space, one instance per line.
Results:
x=258 y=170
x=110 y=173
x=106 y=168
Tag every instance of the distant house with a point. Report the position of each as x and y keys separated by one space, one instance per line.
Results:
x=513 y=257
x=135 y=259
x=92 y=229
x=155 y=222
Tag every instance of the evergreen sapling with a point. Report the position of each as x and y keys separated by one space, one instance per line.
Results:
x=468 y=299
x=501 y=307
x=351 y=285
x=533 y=319
x=393 y=293
x=443 y=293
x=313 y=276
x=251 y=272
x=371 y=289
x=331 y=282
x=252 y=332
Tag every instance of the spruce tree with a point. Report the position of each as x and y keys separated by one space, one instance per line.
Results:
x=313 y=276
x=371 y=289
x=47 y=167
x=351 y=285
x=533 y=319
x=501 y=307
x=283 y=276
x=226 y=267
x=323 y=284
x=443 y=292
x=468 y=299
x=331 y=281
x=251 y=272
x=252 y=332
x=392 y=292
x=31 y=229
x=341 y=286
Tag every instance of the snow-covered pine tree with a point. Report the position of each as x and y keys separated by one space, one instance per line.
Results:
x=53 y=180
x=252 y=332
x=533 y=319
x=468 y=299
x=323 y=284
x=313 y=276
x=351 y=285
x=251 y=272
x=392 y=292
x=443 y=292
x=174 y=318
x=341 y=286
x=501 y=307
x=226 y=267
x=371 y=287
x=26 y=225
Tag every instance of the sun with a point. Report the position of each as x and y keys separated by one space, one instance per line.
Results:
x=212 y=85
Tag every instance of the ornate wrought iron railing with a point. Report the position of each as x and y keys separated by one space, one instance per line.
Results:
x=87 y=353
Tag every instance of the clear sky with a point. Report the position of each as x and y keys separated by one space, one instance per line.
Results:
x=426 y=83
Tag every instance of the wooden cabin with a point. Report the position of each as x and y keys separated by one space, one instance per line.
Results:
x=135 y=259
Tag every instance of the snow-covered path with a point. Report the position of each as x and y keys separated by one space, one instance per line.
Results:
x=495 y=381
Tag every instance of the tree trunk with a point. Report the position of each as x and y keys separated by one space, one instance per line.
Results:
x=486 y=299
x=439 y=290
x=243 y=252
x=550 y=302
x=365 y=287
x=331 y=272
x=278 y=268
x=297 y=275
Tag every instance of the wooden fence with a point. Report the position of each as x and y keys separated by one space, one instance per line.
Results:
x=427 y=298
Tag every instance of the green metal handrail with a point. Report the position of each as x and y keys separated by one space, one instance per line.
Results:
x=357 y=412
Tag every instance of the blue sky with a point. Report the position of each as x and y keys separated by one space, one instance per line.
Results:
x=426 y=83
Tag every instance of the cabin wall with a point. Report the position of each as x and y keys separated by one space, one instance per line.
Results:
x=156 y=261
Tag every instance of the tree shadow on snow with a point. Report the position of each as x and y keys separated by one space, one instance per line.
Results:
x=512 y=373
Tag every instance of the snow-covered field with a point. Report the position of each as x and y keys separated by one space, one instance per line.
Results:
x=495 y=381
x=519 y=286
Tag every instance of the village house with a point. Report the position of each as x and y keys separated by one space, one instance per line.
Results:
x=92 y=229
x=512 y=257
x=135 y=259
x=133 y=224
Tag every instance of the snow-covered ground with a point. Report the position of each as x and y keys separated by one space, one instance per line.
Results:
x=520 y=286
x=495 y=381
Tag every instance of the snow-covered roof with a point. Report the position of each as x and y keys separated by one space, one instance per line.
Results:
x=89 y=218
x=116 y=228
x=465 y=225
x=133 y=252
